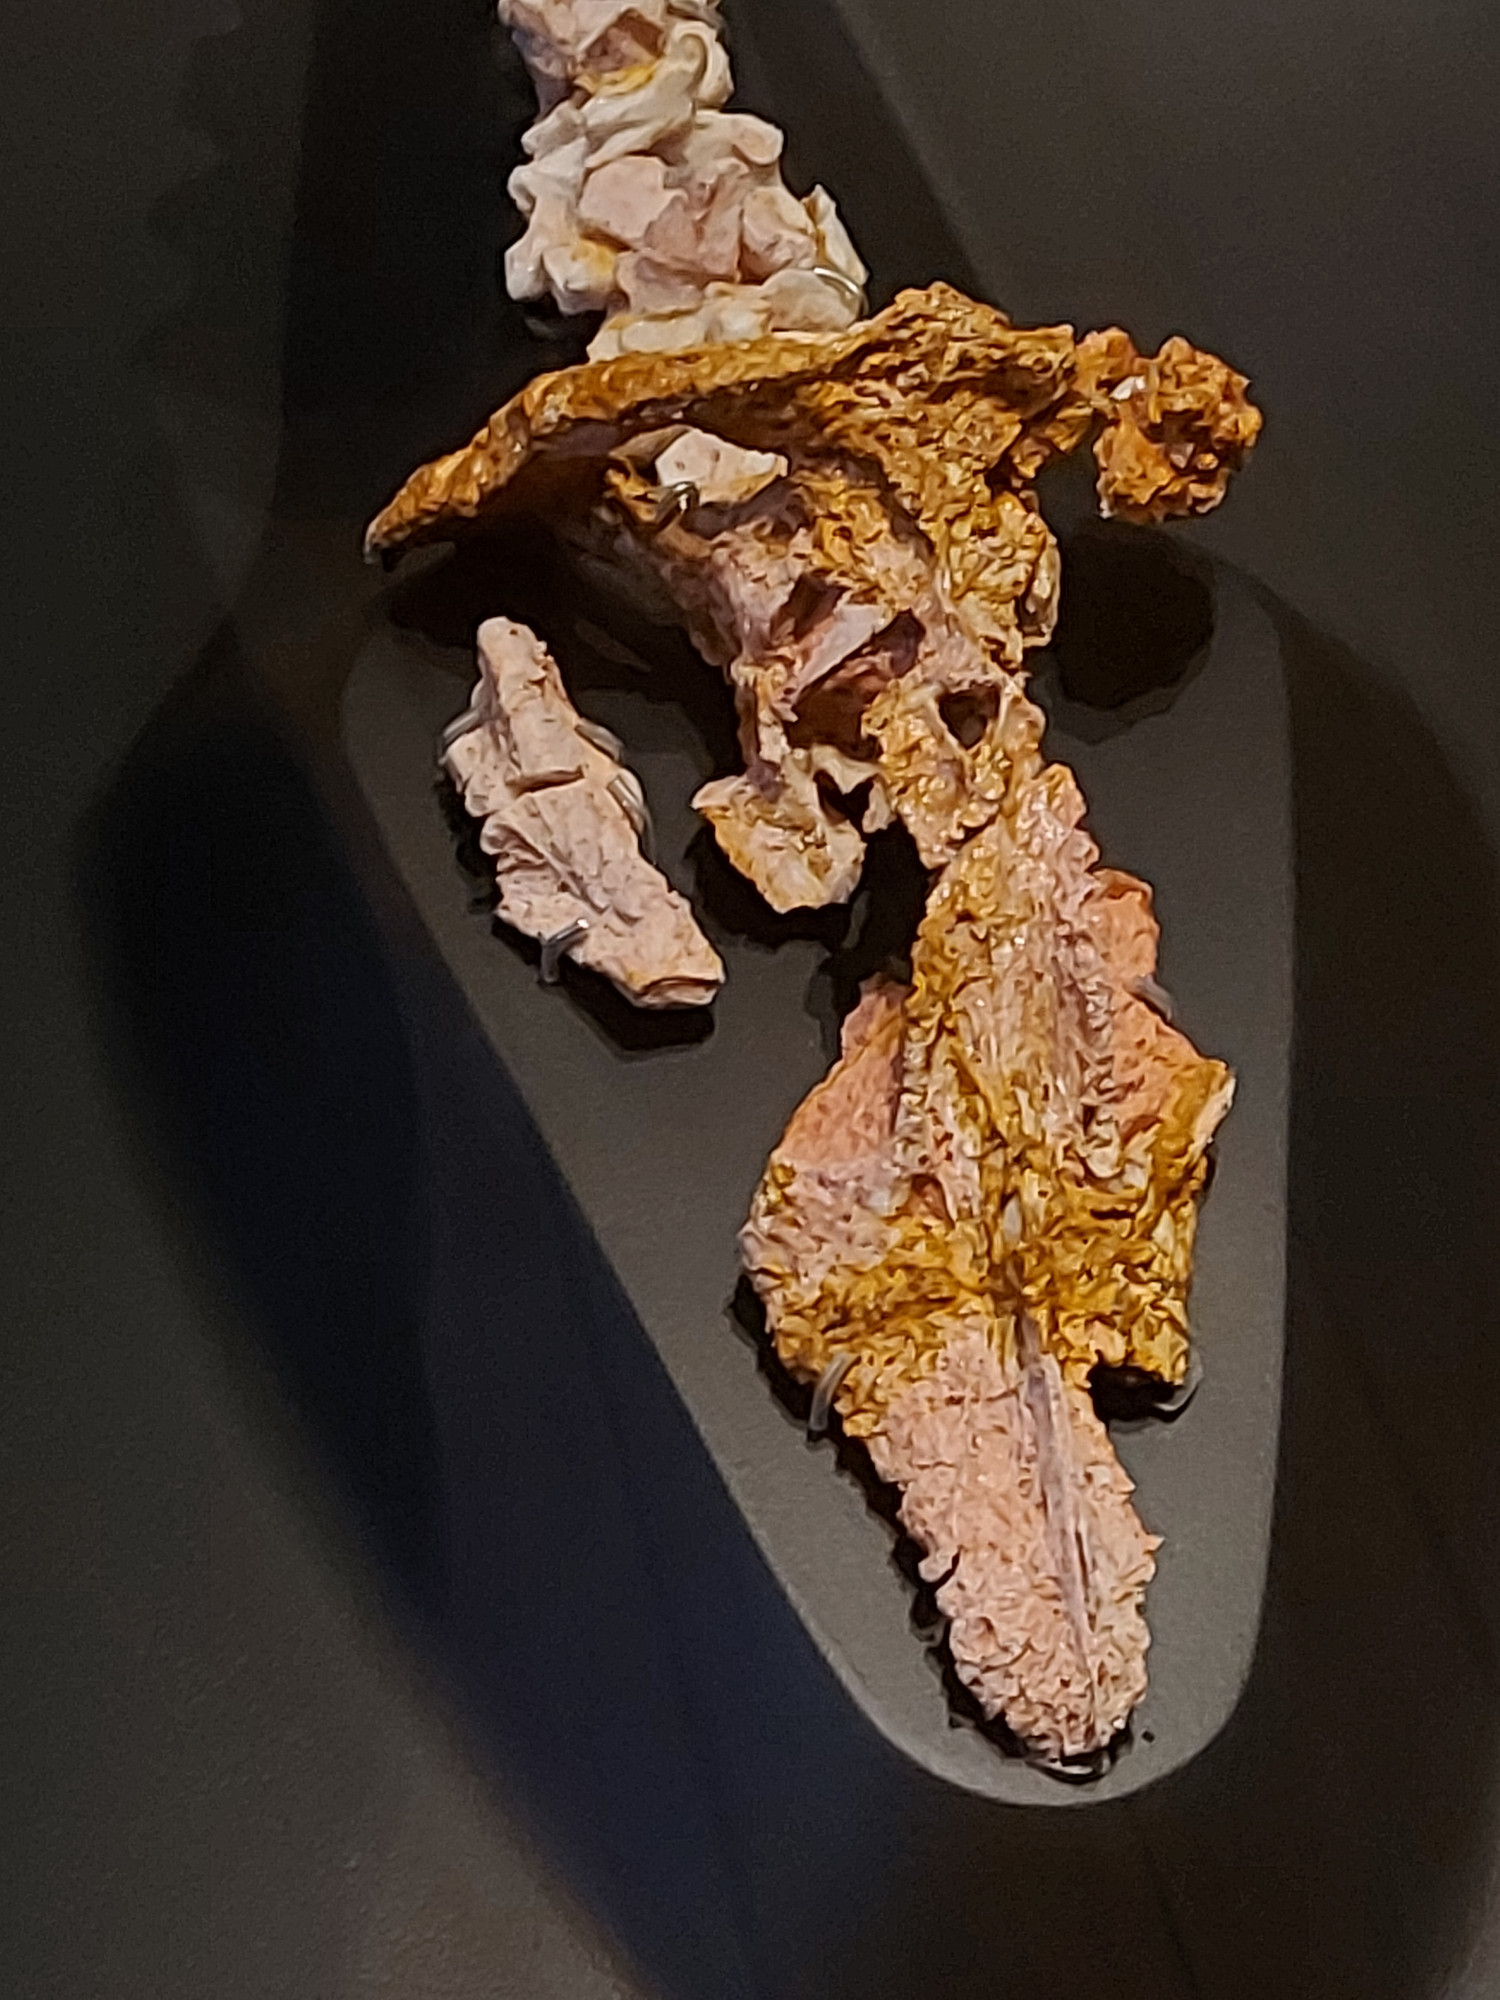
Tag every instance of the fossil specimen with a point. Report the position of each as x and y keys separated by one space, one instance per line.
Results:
x=994 y=1191
x=562 y=820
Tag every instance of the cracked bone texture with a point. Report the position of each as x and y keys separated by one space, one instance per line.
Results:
x=648 y=202
x=840 y=670
x=1037 y=1132
x=560 y=820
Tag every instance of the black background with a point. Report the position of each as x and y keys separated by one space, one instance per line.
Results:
x=252 y=263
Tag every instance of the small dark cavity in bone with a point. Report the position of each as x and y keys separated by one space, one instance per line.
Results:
x=809 y=601
x=832 y=710
x=843 y=805
x=967 y=715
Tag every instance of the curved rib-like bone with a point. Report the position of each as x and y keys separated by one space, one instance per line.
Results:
x=938 y=411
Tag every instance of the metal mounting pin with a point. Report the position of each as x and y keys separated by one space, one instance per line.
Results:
x=553 y=948
x=852 y=289
x=821 y=1407
x=672 y=502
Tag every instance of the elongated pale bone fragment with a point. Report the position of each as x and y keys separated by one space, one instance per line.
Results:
x=562 y=822
x=1009 y=1483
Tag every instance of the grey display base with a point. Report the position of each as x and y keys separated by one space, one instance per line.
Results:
x=662 y=1147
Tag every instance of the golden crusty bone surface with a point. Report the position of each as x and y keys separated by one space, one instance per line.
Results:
x=946 y=408
x=902 y=532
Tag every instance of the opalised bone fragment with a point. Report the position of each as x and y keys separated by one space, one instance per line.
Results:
x=648 y=202
x=561 y=820
x=562 y=39
x=737 y=569
x=1048 y=1129
x=840 y=672
x=720 y=474
x=1177 y=423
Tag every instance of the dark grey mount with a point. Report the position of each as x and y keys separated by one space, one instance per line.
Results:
x=661 y=1129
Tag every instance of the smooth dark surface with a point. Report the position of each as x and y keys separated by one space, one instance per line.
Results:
x=225 y=1775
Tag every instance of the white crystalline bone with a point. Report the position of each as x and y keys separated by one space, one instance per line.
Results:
x=648 y=202
x=714 y=136
x=563 y=39
x=546 y=190
x=776 y=232
x=562 y=820
x=721 y=474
